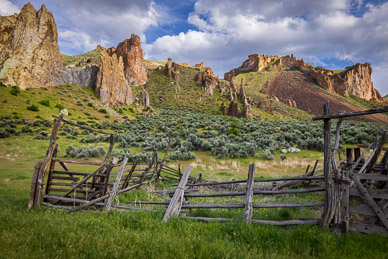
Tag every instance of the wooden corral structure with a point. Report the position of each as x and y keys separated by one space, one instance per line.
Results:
x=359 y=186
x=353 y=186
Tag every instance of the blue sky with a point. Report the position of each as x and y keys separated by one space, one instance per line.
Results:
x=330 y=33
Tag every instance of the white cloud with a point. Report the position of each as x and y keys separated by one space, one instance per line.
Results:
x=228 y=31
x=78 y=40
x=380 y=78
x=8 y=8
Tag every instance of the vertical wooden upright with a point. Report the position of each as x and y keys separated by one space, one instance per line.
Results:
x=327 y=213
x=248 y=212
x=116 y=184
x=47 y=159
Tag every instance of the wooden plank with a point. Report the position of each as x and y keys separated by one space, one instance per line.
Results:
x=65 y=178
x=80 y=162
x=111 y=144
x=258 y=221
x=248 y=212
x=365 y=210
x=70 y=173
x=176 y=202
x=126 y=181
x=116 y=185
x=368 y=229
x=350 y=114
x=369 y=200
x=374 y=193
x=83 y=127
x=37 y=166
x=374 y=177
x=45 y=163
x=262 y=206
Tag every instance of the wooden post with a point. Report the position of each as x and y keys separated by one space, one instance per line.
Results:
x=346 y=203
x=327 y=212
x=349 y=156
x=37 y=166
x=51 y=171
x=356 y=153
x=116 y=184
x=126 y=182
x=45 y=163
x=175 y=205
x=248 y=212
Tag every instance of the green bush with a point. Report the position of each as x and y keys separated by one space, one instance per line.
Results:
x=268 y=155
x=15 y=90
x=2 y=84
x=84 y=152
x=103 y=111
x=33 y=108
x=45 y=103
x=60 y=106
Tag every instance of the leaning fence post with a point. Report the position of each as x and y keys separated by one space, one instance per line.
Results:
x=175 y=205
x=116 y=184
x=248 y=212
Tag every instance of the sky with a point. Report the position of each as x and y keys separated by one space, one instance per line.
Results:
x=328 y=33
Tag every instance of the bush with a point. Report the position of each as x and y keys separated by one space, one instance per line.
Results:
x=59 y=106
x=45 y=103
x=84 y=152
x=15 y=90
x=283 y=157
x=268 y=155
x=33 y=108
x=2 y=84
x=103 y=111
x=43 y=135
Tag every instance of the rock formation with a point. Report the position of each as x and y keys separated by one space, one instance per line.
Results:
x=254 y=63
x=111 y=85
x=355 y=80
x=29 y=52
x=209 y=80
x=172 y=69
x=145 y=98
x=201 y=65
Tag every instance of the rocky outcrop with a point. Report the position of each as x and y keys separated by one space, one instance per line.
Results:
x=172 y=69
x=29 y=52
x=132 y=54
x=209 y=81
x=254 y=63
x=145 y=98
x=111 y=85
x=201 y=65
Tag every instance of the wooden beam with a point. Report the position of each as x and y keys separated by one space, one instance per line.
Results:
x=126 y=181
x=45 y=163
x=248 y=212
x=37 y=166
x=83 y=127
x=350 y=114
x=175 y=205
x=113 y=192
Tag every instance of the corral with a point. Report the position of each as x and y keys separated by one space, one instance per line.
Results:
x=345 y=188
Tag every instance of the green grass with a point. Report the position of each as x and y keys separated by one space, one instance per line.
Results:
x=69 y=60
x=47 y=233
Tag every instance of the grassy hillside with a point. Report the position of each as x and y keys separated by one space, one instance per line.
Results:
x=81 y=102
x=73 y=61
x=386 y=97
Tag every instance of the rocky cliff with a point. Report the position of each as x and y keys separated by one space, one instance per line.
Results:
x=29 y=52
x=355 y=80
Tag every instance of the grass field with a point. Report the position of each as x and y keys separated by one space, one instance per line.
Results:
x=47 y=233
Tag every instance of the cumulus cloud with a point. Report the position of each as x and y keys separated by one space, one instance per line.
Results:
x=8 y=8
x=106 y=22
x=76 y=40
x=228 y=31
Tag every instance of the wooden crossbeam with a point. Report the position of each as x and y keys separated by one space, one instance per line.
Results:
x=350 y=114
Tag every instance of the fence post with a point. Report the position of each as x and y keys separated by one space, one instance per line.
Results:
x=248 y=212
x=175 y=205
x=116 y=184
x=327 y=212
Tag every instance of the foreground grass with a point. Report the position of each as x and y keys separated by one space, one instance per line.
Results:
x=46 y=233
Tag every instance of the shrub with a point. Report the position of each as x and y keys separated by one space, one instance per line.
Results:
x=2 y=84
x=43 y=135
x=84 y=152
x=59 y=106
x=283 y=157
x=103 y=111
x=15 y=90
x=45 y=103
x=268 y=155
x=33 y=108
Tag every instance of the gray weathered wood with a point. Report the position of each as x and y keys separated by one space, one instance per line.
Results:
x=256 y=221
x=248 y=212
x=80 y=162
x=37 y=166
x=113 y=192
x=261 y=206
x=365 y=210
x=176 y=202
x=350 y=114
x=368 y=229
x=370 y=201
x=45 y=163
x=328 y=211
x=83 y=127
x=374 y=177
x=126 y=181
x=376 y=194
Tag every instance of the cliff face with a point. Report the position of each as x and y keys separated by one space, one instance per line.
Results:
x=111 y=85
x=355 y=80
x=29 y=52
